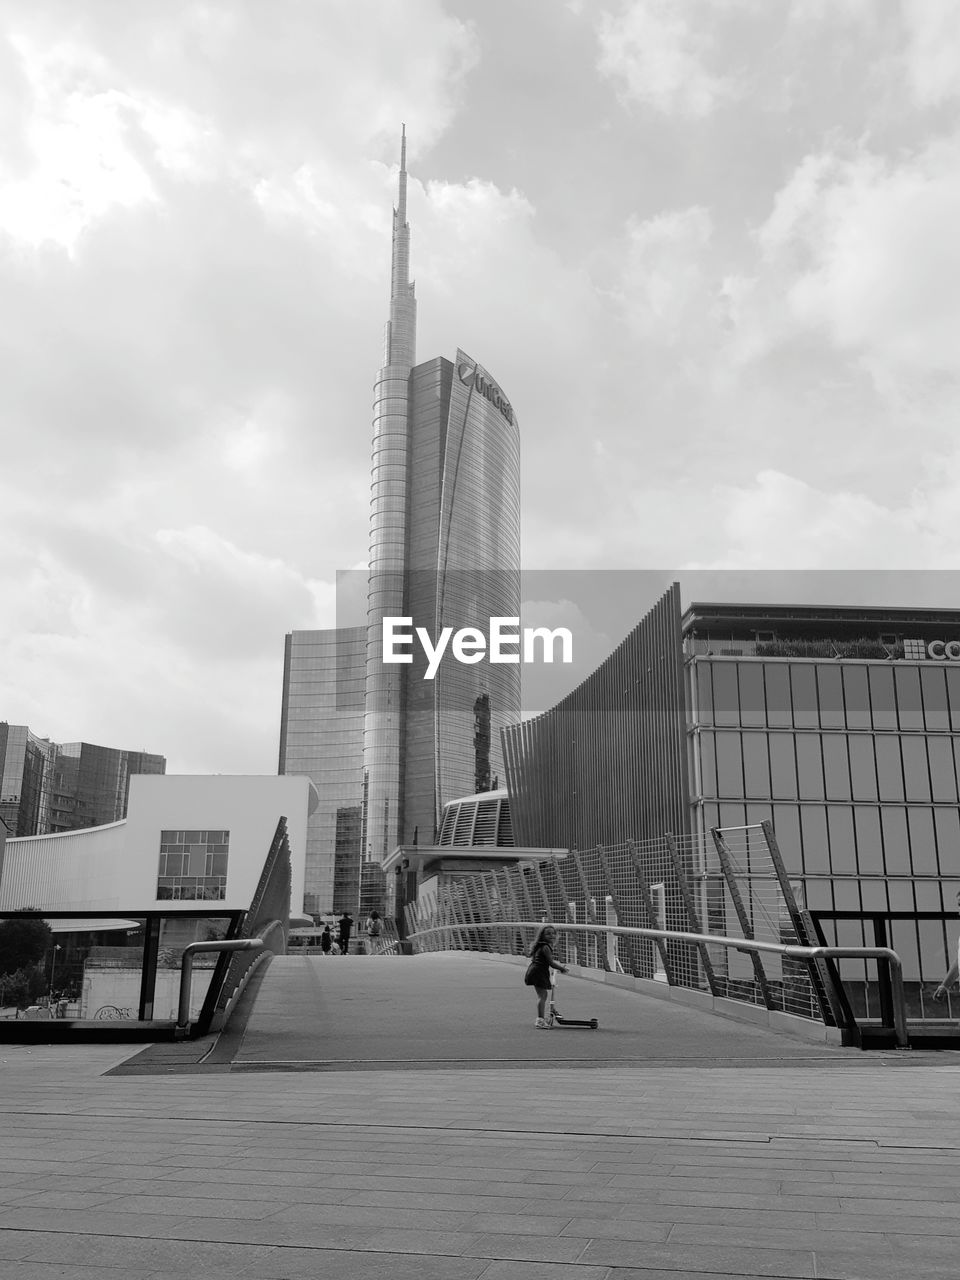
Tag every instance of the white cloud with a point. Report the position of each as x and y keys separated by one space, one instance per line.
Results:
x=657 y=52
x=931 y=59
x=863 y=252
x=780 y=522
x=662 y=277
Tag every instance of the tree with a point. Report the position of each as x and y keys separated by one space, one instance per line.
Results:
x=23 y=987
x=23 y=943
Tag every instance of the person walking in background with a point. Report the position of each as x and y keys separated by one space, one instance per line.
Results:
x=538 y=971
x=345 y=928
x=952 y=973
x=373 y=927
x=326 y=940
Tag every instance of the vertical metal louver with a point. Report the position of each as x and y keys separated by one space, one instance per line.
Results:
x=463 y=830
x=485 y=826
x=504 y=826
x=449 y=821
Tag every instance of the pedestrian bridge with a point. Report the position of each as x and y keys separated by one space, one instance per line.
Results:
x=460 y=1008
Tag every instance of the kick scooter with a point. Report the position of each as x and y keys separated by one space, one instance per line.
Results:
x=554 y=1015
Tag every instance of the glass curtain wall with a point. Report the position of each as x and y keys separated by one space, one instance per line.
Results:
x=856 y=764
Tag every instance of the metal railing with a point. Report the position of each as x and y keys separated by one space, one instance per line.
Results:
x=790 y=951
x=196 y=948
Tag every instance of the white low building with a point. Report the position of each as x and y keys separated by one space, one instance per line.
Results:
x=187 y=842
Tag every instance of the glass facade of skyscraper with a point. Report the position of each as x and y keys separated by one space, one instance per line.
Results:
x=445 y=551
x=321 y=736
x=48 y=787
x=464 y=559
x=91 y=784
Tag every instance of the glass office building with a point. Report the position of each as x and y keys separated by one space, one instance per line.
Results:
x=444 y=551
x=321 y=736
x=839 y=726
x=91 y=784
x=48 y=787
x=25 y=777
x=842 y=728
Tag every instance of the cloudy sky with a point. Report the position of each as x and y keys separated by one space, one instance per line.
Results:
x=708 y=247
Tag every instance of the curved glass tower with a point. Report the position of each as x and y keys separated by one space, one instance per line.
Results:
x=445 y=552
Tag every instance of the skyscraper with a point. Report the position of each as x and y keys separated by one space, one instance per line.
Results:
x=46 y=787
x=444 y=551
x=321 y=735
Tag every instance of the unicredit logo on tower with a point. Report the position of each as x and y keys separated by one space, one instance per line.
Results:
x=506 y=642
x=470 y=374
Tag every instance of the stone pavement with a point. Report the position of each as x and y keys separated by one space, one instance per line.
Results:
x=837 y=1164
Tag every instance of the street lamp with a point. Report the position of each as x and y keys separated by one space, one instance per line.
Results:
x=53 y=968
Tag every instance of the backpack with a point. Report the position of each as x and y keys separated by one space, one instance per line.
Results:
x=373 y=928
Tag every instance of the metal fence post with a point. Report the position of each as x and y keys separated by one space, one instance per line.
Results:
x=692 y=913
x=647 y=899
x=726 y=865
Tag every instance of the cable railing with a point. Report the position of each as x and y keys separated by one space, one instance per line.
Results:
x=666 y=910
x=513 y=937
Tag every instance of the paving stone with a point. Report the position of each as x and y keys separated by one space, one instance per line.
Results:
x=729 y=1169
x=72 y=1271
x=543 y=1271
x=526 y=1248
x=786 y=1264
x=290 y=1264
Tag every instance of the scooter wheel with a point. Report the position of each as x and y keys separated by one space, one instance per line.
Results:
x=594 y=1024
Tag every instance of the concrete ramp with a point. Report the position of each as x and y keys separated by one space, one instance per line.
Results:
x=459 y=1009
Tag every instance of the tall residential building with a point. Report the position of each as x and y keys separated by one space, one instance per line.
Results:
x=444 y=551
x=48 y=787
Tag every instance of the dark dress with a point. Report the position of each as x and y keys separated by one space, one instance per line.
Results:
x=541 y=962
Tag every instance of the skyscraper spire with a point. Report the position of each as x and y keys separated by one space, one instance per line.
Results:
x=401 y=334
x=389 y=498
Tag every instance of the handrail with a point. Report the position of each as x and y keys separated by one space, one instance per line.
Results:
x=194 y=948
x=790 y=950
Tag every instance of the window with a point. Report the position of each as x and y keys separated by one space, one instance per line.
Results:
x=923 y=849
x=756 y=765
x=863 y=766
x=856 y=697
x=726 y=697
x=882 y=699
x=777 y=680
x=193 y=865
x=729 y=765
x=752 y=709
x=843 y=853
x=830 y=689
x=836 y=768
x=916 y=775
x=783 y=766
x=908 y=697
x=708 y=763
x=934 y=689
x=804 y=682
x=809 y=766
x=889 y=768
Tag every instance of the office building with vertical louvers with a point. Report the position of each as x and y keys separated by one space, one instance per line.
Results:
x=837 y=726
